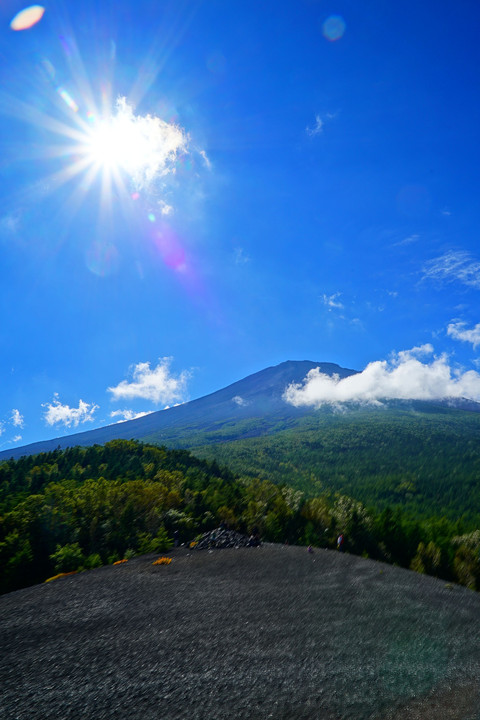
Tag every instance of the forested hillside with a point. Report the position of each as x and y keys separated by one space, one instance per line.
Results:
x=83 y=507
x=425 y=459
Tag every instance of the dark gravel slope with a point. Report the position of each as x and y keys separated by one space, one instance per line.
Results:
x=253 y=633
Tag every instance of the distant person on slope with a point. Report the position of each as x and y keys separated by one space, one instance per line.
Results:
x=340 y=543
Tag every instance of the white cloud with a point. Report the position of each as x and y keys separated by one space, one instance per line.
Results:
x=57 y=413
x=454 y=265
x=317 y=128
x=206 y=160
x=404 y=377
x=238 y=400
x=127 y=415
x=156 y=384
x=408 y=240
x=165 y=209
x=331 y=301
x=17 y=418
x=241 y=258
x=15 y=439
x=10 y=223
x=457 y=331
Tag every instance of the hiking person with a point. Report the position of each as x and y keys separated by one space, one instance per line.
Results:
x=340 y=542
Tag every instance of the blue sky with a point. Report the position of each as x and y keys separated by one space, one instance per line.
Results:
x=193 y=191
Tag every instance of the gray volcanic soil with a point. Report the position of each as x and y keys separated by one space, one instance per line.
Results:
x=247 y=634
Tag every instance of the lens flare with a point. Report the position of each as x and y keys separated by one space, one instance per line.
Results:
x=27 y=18
x=171 y=250
x=67 y=99
x=48 y=69
x=102 y=259
x=66 y=45
x=101 y=151
x=334 y=28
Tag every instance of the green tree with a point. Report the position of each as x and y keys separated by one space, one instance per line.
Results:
x=427 y=560
x=466 y=563
x=148 y=544
x=67 y=558
x=16 y=559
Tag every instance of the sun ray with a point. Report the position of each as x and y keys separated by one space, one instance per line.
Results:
x=20 y=110
x=168 y=38
x=97 y=153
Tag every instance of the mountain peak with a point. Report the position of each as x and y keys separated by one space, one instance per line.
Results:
x=258 y=396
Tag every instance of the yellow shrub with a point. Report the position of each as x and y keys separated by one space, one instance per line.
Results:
x=55 y=577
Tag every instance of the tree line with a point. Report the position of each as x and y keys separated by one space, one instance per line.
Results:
x=84 y=507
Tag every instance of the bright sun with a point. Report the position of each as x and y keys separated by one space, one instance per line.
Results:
x=127 y=152
x=143 y=147
x=117 y=143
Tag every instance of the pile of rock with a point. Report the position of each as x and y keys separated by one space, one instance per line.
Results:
x=224 y=538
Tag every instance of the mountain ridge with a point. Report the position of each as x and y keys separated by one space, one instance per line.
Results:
x=258 y=394
x=251 y=407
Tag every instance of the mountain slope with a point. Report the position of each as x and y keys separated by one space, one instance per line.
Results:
x=258 y=396
x=421 y=457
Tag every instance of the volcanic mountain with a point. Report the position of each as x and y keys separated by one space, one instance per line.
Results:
x=251 y=407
